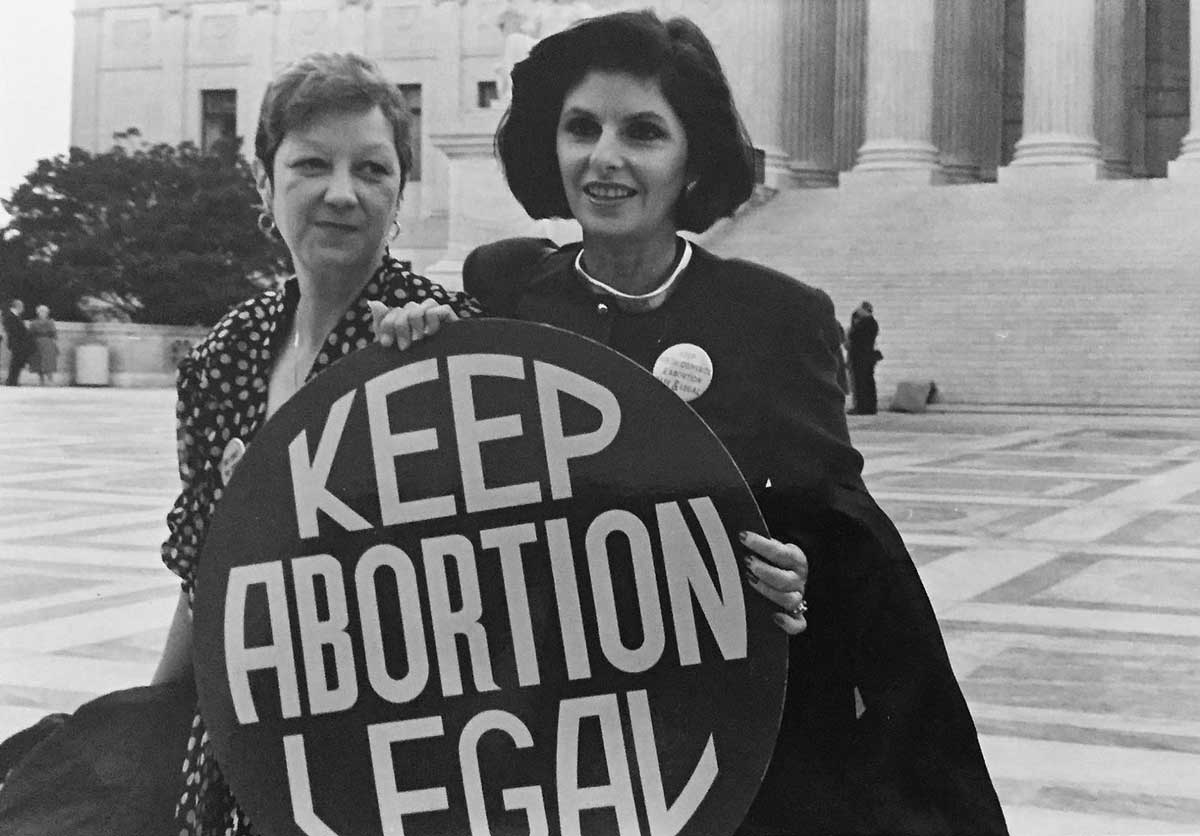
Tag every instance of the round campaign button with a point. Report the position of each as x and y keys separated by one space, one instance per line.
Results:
x=489 y=585
x=686 y=369
x=234 y=450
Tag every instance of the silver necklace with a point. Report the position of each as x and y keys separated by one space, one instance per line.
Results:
x=637 y=302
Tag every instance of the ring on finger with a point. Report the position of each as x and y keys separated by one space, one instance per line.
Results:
x=798 y=610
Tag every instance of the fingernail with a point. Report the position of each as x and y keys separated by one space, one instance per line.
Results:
x=743 y=536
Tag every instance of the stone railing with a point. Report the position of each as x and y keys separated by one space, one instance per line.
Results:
x=139 y=356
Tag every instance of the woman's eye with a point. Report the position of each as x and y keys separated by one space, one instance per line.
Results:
x=376 y=169
x=309 y=164
x=580 y=126
x=646 y=131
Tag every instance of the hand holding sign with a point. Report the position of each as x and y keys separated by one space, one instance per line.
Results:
x=779 y=572
x=493 y=589
x=411 y=323
x=782 y=572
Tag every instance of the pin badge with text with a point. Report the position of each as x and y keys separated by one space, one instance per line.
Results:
x=234 y=451
x=686 y=369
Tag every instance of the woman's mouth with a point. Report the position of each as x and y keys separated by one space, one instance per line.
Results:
x=608 y=191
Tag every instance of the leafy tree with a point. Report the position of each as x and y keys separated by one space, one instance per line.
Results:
x=158 y=233
x=34 y=282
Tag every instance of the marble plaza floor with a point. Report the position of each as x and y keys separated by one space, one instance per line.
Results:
x=1061 y=552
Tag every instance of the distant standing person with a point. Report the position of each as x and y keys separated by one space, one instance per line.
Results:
x=45 y=345
x=19 y=342
x=843 y=372
x=863 y=357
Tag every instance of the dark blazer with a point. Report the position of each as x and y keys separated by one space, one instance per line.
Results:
x=19 y=341
x=911 y=763
x=863 y=333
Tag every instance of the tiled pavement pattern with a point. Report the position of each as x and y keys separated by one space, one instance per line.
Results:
x=1062 y=554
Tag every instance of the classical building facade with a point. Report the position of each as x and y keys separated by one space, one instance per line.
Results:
x=941 y=157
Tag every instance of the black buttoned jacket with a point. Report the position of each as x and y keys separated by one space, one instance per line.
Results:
x=911 y=763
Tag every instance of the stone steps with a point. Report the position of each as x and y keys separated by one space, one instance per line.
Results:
x=1078 y=294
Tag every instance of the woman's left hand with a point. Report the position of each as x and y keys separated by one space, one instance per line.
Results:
x=779 y=572
x=412 y=323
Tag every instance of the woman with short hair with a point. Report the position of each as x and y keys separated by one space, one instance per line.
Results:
x=333 y=154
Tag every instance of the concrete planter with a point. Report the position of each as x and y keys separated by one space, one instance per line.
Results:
x=91 y=365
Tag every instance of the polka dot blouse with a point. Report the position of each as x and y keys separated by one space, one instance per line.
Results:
x=222 y=387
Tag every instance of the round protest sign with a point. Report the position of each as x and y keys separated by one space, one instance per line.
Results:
x=491 y=585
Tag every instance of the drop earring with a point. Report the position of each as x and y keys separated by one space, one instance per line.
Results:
x=387 y=249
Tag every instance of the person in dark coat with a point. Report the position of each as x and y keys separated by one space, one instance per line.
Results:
x=843 y=372
x=626 y=123
x=20 y=344
x=864 y=330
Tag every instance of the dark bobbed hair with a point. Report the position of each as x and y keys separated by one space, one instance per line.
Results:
x=329 y=82
x=676 y=54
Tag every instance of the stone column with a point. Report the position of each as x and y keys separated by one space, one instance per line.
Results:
x=1187 y=164
x=899 y=145
x=850 y=70
x=443 y=110
x=1135 y=87
x=85 y=83
x=748 y=37
x=262 y=19
x=352 y=25
x=1113 y=18
x=969 y=60
x=810 y=33
x=1058 y=137
x=758 y=65
x=174 y=70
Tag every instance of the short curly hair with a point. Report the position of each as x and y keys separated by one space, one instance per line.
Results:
x=329 y=82
x=676 y=54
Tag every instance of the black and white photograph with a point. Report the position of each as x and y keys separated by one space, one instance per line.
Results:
x=600 y=418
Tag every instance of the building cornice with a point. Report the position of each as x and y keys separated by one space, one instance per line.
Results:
x=172 y=8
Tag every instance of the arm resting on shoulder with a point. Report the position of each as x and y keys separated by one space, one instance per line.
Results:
x=496 y=274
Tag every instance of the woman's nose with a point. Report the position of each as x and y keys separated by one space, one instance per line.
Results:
x=340 y=190
x=606 y=153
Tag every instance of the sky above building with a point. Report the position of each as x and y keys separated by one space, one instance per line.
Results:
x=36 y=43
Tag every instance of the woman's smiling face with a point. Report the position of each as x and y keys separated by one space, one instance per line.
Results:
x=623 y=156
x=335 y=190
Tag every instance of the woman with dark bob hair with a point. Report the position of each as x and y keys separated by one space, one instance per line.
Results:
x=332 y=157
x=627 y=124
x=677 y=54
